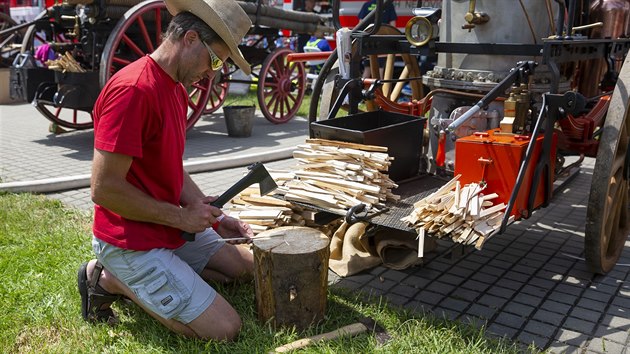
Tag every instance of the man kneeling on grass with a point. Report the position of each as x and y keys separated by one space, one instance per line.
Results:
x=144 y=198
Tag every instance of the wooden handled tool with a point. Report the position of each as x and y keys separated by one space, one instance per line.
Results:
x=349 y=330
x=354 y=329
x=257 y=174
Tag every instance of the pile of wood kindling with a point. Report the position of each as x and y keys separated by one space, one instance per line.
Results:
x=464 y=214
x=65 y=63
x=336 y=176
x=267 y=212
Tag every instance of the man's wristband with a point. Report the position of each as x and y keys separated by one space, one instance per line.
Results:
x=215 y=226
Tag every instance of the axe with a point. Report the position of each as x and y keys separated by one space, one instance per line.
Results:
x=363 y=325
x=257 y=174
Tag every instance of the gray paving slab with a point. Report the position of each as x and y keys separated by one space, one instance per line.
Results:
x=529 y=284
x=28 y=151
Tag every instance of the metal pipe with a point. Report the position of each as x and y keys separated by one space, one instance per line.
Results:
x=560 y=21
x=523 y=68
x=571 y=19
x=22 y=25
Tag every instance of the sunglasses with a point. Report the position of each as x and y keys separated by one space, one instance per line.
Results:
x=215 y=62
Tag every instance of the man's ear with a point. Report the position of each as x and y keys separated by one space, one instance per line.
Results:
x=191 y=36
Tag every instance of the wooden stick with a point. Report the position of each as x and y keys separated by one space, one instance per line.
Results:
x=253 y=238
x=349 y=330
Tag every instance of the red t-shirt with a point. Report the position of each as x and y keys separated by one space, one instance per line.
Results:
x=141 y=112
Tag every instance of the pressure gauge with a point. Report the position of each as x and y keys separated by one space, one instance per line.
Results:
x=419 y=31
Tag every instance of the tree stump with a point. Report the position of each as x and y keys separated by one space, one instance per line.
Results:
x=291 y=276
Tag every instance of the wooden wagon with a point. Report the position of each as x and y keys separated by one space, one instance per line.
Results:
x=103 y=36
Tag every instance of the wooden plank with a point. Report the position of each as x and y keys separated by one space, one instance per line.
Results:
x=348 y=145
x=266 y=201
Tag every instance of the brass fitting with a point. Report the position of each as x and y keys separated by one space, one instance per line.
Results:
x=474 y=18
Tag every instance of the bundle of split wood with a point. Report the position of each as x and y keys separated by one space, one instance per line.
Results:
x=336 y=175
x=264 y=212
x=301 y=22
x=464 y=214
x=65 y=63
x=267 y=212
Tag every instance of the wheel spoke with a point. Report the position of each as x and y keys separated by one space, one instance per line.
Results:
x=211 y=100
x=133 y=46
x=272 y=100
x=293 y=98
x=270 y=84
x=145 y=34
x=275 y=105
x=199 y=86
x=121 y=61
x=158 y=24
x=277 y=66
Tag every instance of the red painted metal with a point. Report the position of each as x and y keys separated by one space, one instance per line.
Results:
x=576 y=133
x=304 y=57
x=495 y=159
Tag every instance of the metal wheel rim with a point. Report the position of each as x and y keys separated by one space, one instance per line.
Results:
x=329 y=92
x=608 y=220
x=277 y=83
x=58 y=116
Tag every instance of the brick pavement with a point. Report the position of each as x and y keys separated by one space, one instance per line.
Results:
x=529 y=284
x=29 y=152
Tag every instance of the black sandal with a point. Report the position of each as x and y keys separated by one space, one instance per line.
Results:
x=93 y=297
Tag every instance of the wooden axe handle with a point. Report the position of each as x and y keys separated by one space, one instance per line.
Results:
x=349 y=330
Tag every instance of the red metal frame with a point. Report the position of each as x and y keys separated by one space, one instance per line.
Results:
x=577 y=132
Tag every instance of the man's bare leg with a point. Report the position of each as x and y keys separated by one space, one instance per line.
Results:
x=230 y=263
x=218 y=322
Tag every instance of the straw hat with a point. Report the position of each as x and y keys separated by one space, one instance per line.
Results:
x=225 y=17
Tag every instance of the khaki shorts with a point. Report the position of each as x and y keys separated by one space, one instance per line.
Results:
x=166 y=281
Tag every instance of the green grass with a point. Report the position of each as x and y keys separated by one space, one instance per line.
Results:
x=42 y=244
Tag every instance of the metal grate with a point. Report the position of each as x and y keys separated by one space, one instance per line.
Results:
x=410 y=192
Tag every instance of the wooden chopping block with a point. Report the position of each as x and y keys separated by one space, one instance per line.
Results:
x=291 y=276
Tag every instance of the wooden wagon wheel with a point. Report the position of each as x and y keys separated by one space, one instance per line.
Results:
x=608 y=217
x=7 y=51
x=6 y=21
x=138 y=33
x=388 y=92
x=64 y=117
x=281 y=86
x=218 y=90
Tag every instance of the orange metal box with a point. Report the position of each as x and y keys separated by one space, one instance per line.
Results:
x=496 y=159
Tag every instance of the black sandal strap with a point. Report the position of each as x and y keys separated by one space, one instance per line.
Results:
x=96 y=275
x=97 y=290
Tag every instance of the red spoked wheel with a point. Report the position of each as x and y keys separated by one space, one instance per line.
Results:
x=218 y=91
x=281 y=86
x=138 y=33
x=65 y=117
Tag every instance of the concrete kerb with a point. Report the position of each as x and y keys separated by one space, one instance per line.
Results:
x=56 y=184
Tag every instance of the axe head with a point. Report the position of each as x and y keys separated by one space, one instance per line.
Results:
x=257 y=174
x=260 y=174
